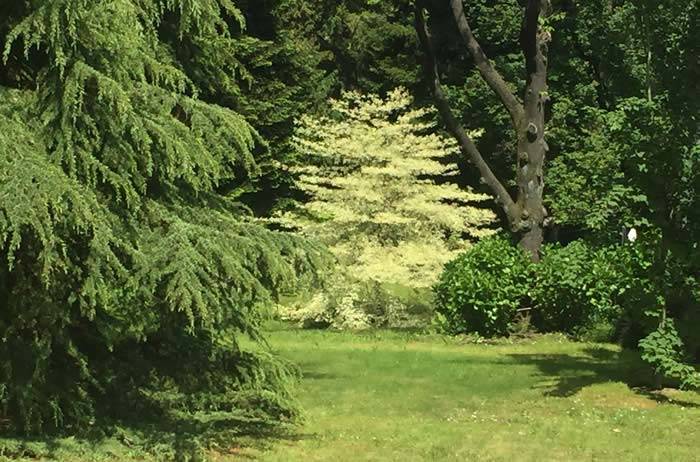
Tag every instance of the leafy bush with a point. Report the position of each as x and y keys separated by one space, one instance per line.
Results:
x=580 y=289
x=663 y=349
x=482 y=289
x=613 y=293
x=595 y=292
x=349 y=303
x=577 y=288
x=335 y=307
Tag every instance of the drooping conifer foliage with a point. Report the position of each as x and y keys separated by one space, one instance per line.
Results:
x=128 y=269
x=272 y=72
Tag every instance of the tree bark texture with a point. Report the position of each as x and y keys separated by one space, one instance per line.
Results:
x=526 y=212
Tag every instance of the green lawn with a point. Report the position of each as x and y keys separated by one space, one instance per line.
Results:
x=391 y=396
x=387 y=396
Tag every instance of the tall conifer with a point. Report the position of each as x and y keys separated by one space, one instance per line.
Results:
x=128 y=269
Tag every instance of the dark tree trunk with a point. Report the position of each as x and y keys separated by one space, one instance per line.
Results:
x=526 y=213
x=532 y=147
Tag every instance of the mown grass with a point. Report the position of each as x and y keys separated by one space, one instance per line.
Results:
x=388 y=396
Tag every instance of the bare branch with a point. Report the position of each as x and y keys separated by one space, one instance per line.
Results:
x=465 y=142
x=489 y=73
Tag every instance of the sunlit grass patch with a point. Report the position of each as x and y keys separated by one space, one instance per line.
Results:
x=405 y=396
x=394 y=396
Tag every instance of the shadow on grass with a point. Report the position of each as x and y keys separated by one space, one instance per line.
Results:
x=570 y=374
x=182 y=439
x=661 y=398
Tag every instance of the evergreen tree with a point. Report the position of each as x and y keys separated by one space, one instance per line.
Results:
x=369 y=44
x=129 y=270
x=270 y=72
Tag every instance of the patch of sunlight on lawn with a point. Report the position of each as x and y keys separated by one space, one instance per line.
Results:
x=393 y=396
x=390 y=396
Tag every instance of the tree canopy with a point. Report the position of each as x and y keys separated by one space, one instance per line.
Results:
x=121 y=231
x=172 y=169
x=370 y=172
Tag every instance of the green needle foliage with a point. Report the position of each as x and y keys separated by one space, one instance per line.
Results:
x=128 y=270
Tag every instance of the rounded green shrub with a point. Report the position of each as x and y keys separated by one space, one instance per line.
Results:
x=481 y=290
x=577 y=288
x=593 y=292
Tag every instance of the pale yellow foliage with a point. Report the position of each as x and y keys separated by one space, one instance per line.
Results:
x=323 y=309
x=347 y=304
x=370 y=170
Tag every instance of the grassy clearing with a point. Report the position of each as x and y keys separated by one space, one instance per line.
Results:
x=387 y=396
x=391 y=396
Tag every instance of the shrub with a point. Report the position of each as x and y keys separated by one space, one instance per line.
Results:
x=349 y=303
x=664 y=350
x=597 y=293
x=482 y=289
x=334 y=307
x=594 y=293
x=577 y=288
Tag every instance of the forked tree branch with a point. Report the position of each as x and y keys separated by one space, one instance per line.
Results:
x=466 y=143
x=489 y=73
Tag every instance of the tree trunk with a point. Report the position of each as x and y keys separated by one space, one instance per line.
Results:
x=532 y=147
x=526 y=213
x=529 y=224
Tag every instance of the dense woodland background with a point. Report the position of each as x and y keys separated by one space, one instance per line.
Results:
x=173 y=173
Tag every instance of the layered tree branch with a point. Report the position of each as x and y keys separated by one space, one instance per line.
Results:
x=467 y=145
x=489 y=73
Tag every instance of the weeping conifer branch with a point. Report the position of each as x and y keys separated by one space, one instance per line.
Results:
x=115 y=239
